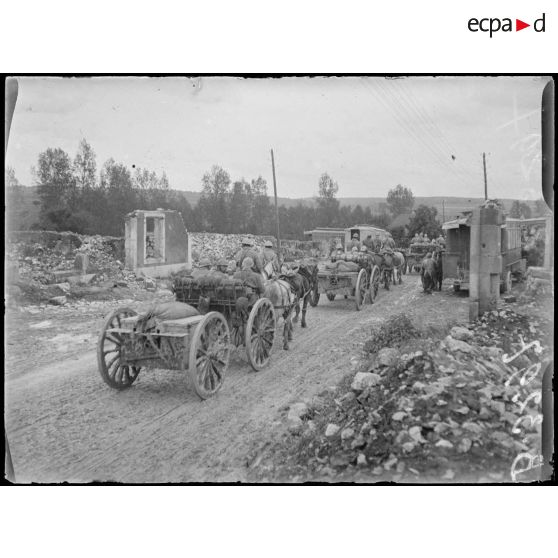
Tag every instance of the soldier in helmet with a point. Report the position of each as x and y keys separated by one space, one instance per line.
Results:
x=247 y=250
x=377 y=243
x=253 y=282
x=389 y=243
x=203 y=268
x=354 y=242
x=269 y=255
x=368 y=243
x=220 y=271
x=337 y=251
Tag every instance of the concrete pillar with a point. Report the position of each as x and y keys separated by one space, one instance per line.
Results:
x=485 y=260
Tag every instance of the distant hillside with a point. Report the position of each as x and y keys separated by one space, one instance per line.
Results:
x=26 y=212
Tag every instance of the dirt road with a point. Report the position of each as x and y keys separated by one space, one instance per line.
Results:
x=65 y=424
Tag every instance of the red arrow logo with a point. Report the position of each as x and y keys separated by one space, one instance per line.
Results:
x=519 y=25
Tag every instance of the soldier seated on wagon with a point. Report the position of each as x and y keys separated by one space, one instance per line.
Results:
x=254 y=285
x=220 y=271
x=248 y=251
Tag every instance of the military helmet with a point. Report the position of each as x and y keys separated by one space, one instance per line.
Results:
x=247 y=263
x=223 y=262
x=204 y=262
x=247 y=241
x=339 y=246
x=268 y=244
x=363 y=248
x=355 y=236
x=354 y=249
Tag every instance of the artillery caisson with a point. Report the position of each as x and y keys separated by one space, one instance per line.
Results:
x=199 y=344
x=352 y=275
x=255 y=331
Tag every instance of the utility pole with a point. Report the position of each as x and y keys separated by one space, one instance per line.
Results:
x=485 y=183
x=276 y=207
x=443 y=211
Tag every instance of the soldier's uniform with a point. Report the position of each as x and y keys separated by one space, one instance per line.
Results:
x=354 y=243
x=247 y=251
x=389 y=244
x=221 y=270
x=255 y=286
x=377 y=244
x=269 y=255
x=368 y=243
x=427 y=273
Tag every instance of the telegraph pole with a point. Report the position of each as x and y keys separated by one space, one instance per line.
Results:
x=443 y=211
x=485 y=183
x=276 y=206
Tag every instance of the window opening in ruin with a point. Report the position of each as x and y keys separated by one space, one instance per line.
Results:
x=154 y=238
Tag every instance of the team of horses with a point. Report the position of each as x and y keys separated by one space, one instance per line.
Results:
x=287 y=291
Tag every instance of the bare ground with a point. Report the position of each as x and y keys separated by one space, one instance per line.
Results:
x=65 y=424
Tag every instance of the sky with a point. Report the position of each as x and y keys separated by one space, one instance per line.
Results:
x=368 y=134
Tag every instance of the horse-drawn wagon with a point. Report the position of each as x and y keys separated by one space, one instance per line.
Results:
x=199 y=342
x=416 y=253
x=349 y=274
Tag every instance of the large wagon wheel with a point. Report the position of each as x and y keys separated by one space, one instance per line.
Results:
x=361 y=289
x=209 y=354
x=260 y=333
x=374 y=283
x=112 y=366
x=314 y=295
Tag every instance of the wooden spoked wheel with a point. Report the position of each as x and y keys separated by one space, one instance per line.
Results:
x=209 y=354
x=114 y=369
x=361 y=289
x=330 y=296
x=374 y=283
x=260 y=333
x=314 y=295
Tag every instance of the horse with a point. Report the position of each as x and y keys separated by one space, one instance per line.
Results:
x=399 y=265
x=385 y=263
x=302 y=282
x=281 y=295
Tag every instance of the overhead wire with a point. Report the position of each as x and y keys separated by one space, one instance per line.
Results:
x=399 y=114
x=436 y=133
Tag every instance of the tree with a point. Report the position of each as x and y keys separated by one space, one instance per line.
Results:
x=520 y=210
x=262 y=220
x=10 y=178
x=424 y=221
x=328 y=205
x=85 y=166
x=358 y=215
x=56 y=188
x=214 y=198
x=400 y=200
x=240 y=207
x=116 y=181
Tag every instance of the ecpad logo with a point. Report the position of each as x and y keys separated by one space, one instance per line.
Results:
x=493 y=25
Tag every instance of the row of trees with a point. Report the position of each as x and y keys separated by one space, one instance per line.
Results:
x=75 y=197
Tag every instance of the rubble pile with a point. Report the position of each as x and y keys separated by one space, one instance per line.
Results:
x=216 y=246
x=449 y=412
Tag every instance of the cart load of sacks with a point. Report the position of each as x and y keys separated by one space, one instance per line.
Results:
x=349 y=261
x=190 y=289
